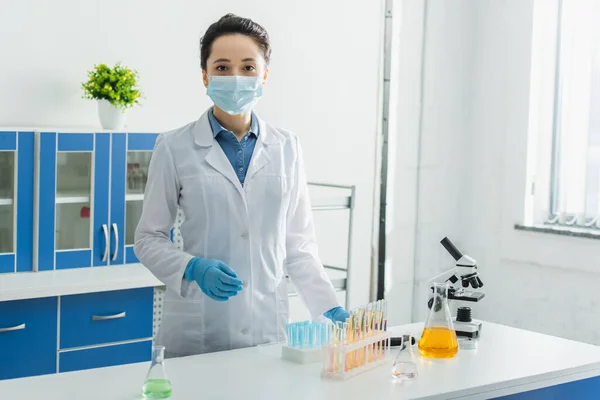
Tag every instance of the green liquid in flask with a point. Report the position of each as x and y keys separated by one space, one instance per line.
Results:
x=157 y=389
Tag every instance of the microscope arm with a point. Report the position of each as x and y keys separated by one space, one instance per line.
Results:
x=465 y=271
x=466 y=267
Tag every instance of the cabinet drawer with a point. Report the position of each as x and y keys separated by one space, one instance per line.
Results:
x=106 y=356
x=97 y=318
x=28 y=337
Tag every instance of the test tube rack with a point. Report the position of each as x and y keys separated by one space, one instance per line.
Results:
x=301 y=356
x=305 y=341
x=343 y=361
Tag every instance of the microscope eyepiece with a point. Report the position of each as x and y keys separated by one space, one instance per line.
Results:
x=451 y=248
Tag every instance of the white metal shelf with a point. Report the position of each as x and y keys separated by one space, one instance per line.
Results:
x=332 y=203
x=340 y=276
x=6 y=202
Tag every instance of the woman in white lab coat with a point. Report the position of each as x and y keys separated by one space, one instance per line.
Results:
x=241 y=186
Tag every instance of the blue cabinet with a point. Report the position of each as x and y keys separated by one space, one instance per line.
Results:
x=105 y=356
x=76 y=199
x=91 y=330
x=98 y=318
x=90 y=190
x=16 y=201
x=130 y=159
x=68 y=167
x=28 y=330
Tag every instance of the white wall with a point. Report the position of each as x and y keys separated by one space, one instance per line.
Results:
x=324 y=81
x=473 y=174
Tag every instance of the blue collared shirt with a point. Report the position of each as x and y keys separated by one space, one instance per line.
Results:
x=238 y=152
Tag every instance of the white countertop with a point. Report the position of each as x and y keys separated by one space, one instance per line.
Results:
x=507 y=361
x=30 y=285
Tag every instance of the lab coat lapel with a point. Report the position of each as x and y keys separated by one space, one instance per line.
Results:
x=260 y=158
x=216 y=158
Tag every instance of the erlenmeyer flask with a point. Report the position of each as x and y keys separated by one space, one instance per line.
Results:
x=439 y=337
x=157 y=384
x=405 y=366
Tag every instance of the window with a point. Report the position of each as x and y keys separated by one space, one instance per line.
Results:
x=575 y=161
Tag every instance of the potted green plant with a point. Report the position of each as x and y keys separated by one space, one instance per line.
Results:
x=115 y=89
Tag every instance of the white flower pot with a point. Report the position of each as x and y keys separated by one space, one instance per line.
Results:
x=111 y=117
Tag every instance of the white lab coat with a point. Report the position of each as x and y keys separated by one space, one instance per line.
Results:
x=258 y=230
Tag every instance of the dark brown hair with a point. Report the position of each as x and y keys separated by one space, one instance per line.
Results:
x=231 y=24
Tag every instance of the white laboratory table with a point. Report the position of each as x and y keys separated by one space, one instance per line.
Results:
x=507 y=361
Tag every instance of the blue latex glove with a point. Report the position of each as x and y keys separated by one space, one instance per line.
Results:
x=337 y=314
x=214 y=277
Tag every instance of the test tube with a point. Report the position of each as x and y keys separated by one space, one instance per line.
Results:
x=313 y=335
x=301 y=335
x=342 y=361
x=335 y=344
x=372 y=323
x=306 y=333
x=345 y=342
x=356 y=338
x=329 y=359
x=387 y=342
x=385 y=312
x=351 y=340
x=381 y=330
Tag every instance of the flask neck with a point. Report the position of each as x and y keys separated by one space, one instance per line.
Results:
x=441 y=289
x=158 y=354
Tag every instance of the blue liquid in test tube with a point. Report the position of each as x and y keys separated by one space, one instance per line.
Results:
x=301 y=336
x=293 y=336
x=313 y=335
x=306 y=333
x=318 y=334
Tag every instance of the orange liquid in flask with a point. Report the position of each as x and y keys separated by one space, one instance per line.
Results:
x=438 y=342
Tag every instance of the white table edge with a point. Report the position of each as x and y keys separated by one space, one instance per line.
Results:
x=32 y=285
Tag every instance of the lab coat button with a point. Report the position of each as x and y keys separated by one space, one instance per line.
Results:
x=245 y=235
x=245 y=331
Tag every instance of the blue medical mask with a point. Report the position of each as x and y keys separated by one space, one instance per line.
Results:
x=234 y=94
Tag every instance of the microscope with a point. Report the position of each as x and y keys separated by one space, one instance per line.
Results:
x=466 y=273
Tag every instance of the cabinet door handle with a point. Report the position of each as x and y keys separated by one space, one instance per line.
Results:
x=107 y=317
x=13 y=328
x=116 y=230
x=105 y=229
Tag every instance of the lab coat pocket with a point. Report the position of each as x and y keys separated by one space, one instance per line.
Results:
x=266 y=190
x=182 y=327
